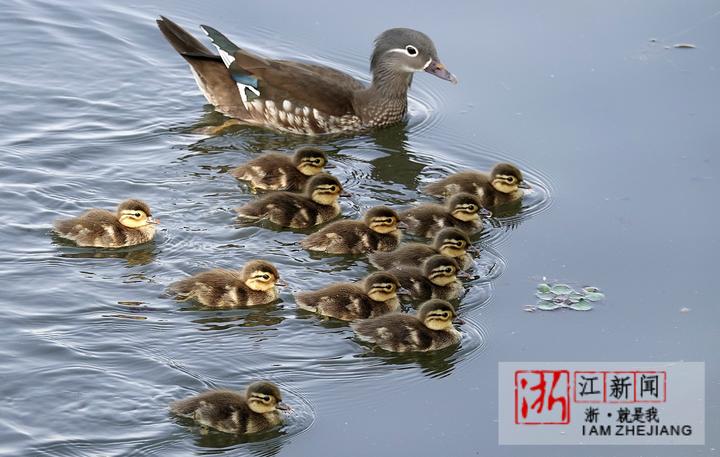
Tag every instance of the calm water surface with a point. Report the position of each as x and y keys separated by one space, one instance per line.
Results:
x=618 y=136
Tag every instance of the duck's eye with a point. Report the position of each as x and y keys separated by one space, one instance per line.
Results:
x=511 y=179
x=266 y=277
x=411 y=50
x=472 y=208
x=445 y=315
x=136 y=214
x=333 y=188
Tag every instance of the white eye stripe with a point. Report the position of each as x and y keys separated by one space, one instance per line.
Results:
x=405 y=51
x=427 y=64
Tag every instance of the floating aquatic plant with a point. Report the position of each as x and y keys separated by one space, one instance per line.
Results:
x=556 y=296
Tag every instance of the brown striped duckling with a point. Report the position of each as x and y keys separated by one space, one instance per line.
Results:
x=451 y=242
x=131 y=224
x=257 y=410
x=502 y=185
x=431 y=329
x=436 y=278
x=378 y=231
x=462 y=211
x=252 y=286
x=317 y=205
x=276 y=171
x=376 y=295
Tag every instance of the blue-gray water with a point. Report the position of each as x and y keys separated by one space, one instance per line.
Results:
x=618 y=133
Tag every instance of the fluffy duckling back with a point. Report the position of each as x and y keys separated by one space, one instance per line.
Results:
x=437 y=278
x=378 y=231
x=376 y=295
x=451 y=242
x=430 y=330
x=317 y=205
x=462 y=211
x=131 y=224
x=252 y=286
x=254 y=411
x=275 y=171
x=502 y=185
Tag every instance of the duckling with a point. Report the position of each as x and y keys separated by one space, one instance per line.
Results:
x=431 y=329
x=275 y=171
x=376 y=295
x=252 y=286
x=461 y=211
x=131 y=224
x=378 y=231
x=287 y=209
x=437 y=278
x=451 y=242
x=501 y=186
x=234 y=412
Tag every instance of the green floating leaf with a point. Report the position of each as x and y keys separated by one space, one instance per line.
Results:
x=547 y=305
x=543 y=288
x=594 y=296
x=590 y=289
x=544 y=295
x=561 y=289
x=582 y=305
x=575 y=297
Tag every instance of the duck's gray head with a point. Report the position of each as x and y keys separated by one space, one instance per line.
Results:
x=405 y=51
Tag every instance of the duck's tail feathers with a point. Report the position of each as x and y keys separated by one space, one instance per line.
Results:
x=184 y=43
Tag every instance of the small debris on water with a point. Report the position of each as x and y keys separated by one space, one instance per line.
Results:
x=556 y=296
x=685 y=46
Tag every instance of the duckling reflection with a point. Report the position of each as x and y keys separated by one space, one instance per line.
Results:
x=434 y=364
x=249 y=319
x=210 y=441
x=142 y=254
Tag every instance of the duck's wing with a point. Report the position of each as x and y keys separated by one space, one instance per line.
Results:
x=210 y=72
x=93 y=226
x=299 y=84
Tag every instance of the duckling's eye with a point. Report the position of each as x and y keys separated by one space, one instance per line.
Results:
x=411 y=50
x=333 y=188
x=511 y=179
x=136 y=214
x=445 y=315
x=472 y=208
